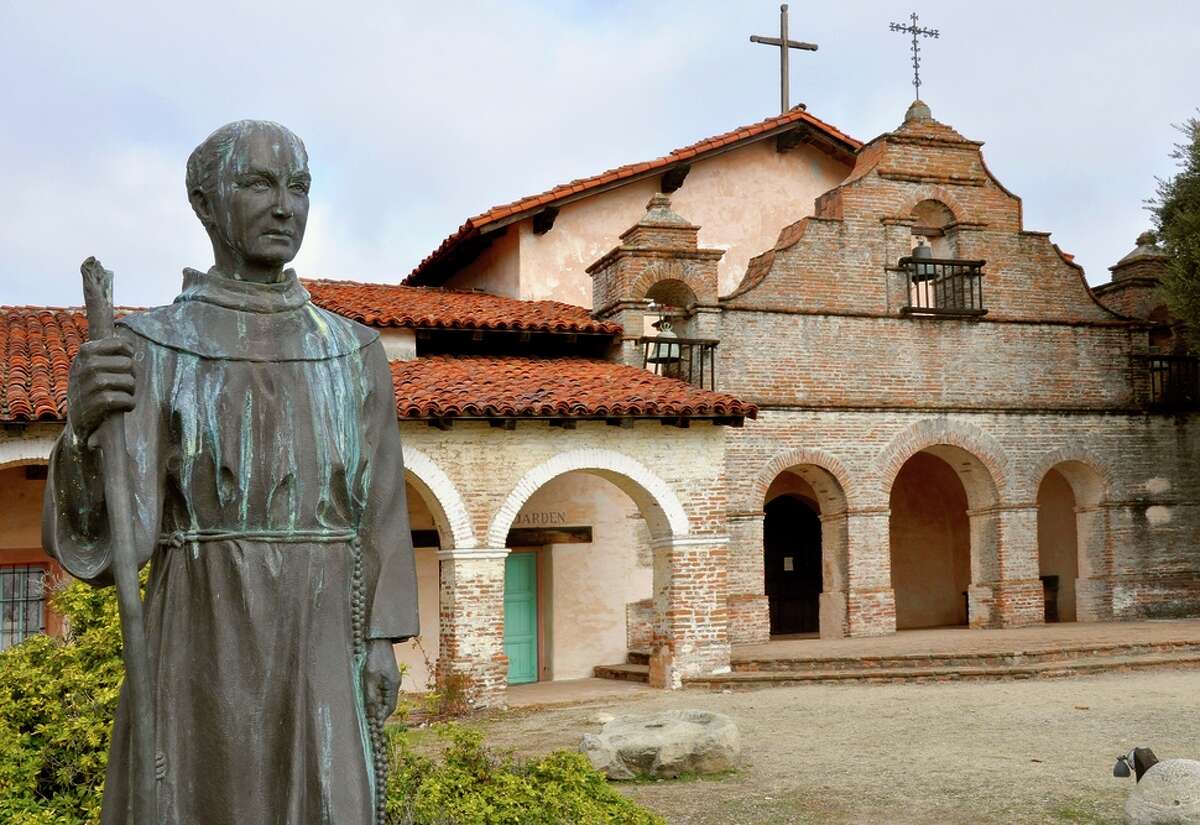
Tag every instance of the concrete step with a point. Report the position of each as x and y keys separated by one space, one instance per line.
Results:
x=751 y=663
x=1080 y=666
x=638 y=657
x=624 y=672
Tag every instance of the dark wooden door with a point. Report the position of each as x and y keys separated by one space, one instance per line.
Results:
x=792 y=565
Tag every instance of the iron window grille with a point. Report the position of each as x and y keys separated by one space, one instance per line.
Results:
x=22 y=603
x=944 y=287
x=1174 y=381
x=693 y=360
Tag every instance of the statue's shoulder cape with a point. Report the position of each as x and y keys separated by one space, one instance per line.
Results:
x=237 y=321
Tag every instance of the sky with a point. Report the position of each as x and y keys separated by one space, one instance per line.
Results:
x=419 y=115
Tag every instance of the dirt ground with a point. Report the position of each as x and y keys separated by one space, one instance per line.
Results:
x=1037 y=751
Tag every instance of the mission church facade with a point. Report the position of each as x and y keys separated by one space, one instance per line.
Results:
x=877 y=402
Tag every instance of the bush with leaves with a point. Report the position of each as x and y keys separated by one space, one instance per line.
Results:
x=58 y=698
x=472 y=785
x=1176 y=210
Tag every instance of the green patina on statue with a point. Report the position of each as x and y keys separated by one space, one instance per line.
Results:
x=267 y=491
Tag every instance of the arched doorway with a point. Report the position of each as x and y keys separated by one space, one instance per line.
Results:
x=792 y=564
x=1070 y=532
x=577 y=582
x=804 y=549
x=930 y=536
x=636 y=595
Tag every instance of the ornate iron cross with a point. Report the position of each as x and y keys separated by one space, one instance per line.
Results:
x=915 y=31
x=784 y=44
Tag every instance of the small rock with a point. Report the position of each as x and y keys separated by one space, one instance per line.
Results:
x=1168 y=794
x=664 y=745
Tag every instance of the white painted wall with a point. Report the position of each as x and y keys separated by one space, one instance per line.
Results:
x=740 y=200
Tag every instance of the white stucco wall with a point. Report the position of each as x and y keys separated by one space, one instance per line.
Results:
x=740 y=200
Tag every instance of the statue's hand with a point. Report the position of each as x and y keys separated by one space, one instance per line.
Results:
x=381 y=679
x=101 y=384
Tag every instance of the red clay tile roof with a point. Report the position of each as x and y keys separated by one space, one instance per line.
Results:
x=387 y=305
x=744 y=134
x=448 y=386
x=37 y=345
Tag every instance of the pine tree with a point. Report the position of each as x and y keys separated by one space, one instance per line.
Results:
x=1176 y=210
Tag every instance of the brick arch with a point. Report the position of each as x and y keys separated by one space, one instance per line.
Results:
x=657 y=502
x=936 y=193
x=672 y=270
x=980 y=462
x=1090 y=477
x=17 y=451
x=832 y=498
x=444 y=501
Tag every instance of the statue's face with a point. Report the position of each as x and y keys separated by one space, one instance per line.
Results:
x=260 y=207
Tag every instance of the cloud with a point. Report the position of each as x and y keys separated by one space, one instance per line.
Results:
x=419 y=115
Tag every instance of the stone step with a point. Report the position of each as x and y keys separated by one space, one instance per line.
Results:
x=638 y=657
x=749 y=663
x=624 y=672
x=1087 y=665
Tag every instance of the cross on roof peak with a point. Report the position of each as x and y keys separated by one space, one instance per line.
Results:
x=784 y=44
x=916 y=31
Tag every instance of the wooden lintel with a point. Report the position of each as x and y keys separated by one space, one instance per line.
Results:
x=792 y=138
x=543 y=221
x=673 y=178
x=426 y=538
x=541 y=536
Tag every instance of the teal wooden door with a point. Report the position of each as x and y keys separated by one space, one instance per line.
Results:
x=520 y=617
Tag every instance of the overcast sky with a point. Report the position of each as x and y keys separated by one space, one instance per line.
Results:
x=419 y=115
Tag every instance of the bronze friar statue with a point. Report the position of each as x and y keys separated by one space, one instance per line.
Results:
x=265 y=488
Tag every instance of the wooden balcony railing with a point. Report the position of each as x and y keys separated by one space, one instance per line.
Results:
x=943 y=287
x=1174 y=381
x=693 y=360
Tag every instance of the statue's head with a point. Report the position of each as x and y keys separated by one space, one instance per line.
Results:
x=248 y=183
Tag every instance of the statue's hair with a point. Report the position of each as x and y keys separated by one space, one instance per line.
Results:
x=214 y=155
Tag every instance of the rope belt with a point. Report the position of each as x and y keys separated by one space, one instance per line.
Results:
x=182 y=537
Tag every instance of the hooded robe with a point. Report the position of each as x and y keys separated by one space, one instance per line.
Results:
x=268 y=498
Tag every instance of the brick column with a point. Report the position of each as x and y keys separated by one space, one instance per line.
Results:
x=691 y=618
x=1005 y=589
x=749 y=611
x=835 y=564
x=870 y=599
x=1093 y=588
x=471 y=623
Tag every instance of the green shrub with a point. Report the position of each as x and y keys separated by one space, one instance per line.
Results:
x=472 y=785
x=58 y=697
x=57 y=700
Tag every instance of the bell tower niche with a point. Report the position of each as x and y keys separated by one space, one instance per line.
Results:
x=659 y=283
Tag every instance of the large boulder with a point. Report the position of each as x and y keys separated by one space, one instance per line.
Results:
x=664 y=745
x=1168 y=794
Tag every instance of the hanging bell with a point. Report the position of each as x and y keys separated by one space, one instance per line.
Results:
x=922 y=271
x=663 y=349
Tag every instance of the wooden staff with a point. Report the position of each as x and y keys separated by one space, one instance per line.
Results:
x=97 y=295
